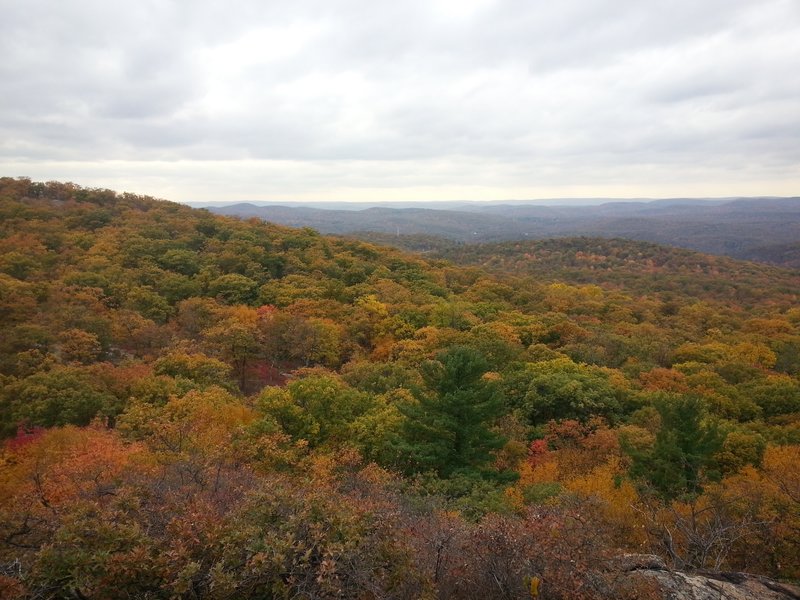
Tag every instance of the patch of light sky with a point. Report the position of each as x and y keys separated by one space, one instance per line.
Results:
x=370 y=101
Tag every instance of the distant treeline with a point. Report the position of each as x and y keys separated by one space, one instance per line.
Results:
x=760 y=229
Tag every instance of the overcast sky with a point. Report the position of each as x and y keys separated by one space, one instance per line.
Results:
x=403 y=100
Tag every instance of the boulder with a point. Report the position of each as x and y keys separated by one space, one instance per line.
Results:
x=638 y=562
x=705 y=585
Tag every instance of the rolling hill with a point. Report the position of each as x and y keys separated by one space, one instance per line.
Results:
x=200 y=406
x=748 y=228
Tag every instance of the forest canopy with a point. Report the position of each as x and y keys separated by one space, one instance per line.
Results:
x=198 y=406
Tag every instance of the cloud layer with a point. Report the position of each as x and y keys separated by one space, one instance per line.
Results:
x=371 y=100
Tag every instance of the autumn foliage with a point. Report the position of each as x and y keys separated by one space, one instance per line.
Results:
x=193 y=406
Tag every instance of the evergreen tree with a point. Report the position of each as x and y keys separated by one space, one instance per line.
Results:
x=682 y=456
x=448 y=429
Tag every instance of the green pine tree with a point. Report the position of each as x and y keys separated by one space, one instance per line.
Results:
x=682 y=457
x=448 y=429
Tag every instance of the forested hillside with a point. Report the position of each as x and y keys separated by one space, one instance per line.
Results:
x=762 y=229
x=195 y=406
x=636 y=267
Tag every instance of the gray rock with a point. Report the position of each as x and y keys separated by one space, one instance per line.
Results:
x=639 y=562
x=677 y=585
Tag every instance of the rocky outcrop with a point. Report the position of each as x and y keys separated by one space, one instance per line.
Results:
x=651 y=571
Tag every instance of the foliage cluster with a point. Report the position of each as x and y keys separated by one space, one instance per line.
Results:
x=196 y=406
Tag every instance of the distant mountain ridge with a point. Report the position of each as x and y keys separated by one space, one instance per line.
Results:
x=762 y=229
x=469 y=205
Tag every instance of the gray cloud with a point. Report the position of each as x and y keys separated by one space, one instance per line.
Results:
x=447 y=98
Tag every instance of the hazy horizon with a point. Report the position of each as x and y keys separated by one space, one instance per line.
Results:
x=575 y=202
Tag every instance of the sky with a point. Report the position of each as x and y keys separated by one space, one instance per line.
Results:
x=368 y=100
